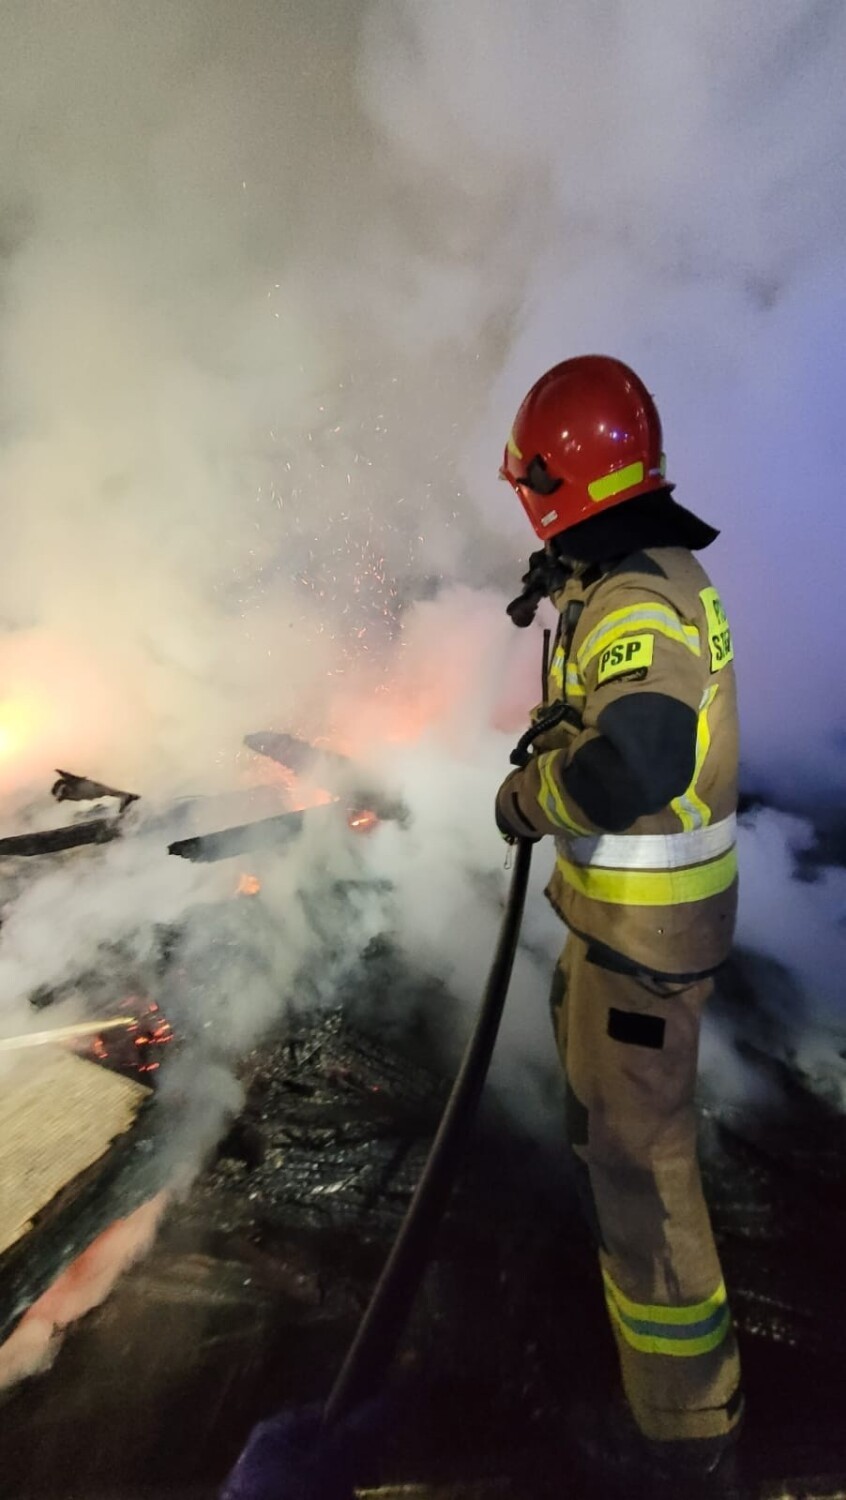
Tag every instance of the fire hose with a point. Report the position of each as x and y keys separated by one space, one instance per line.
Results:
x=307 y=1453
x=381 y=1327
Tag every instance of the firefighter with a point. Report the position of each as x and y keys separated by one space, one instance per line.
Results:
x=638 y=788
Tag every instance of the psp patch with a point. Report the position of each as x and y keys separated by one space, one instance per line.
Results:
x=719 y=631
x=632 y=655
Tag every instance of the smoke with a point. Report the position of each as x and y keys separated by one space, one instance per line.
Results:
x=666 y=187
x=273 y=280
x=273 y=284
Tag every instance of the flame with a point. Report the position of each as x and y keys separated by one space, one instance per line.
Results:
x=362 y=820
x=248 y=885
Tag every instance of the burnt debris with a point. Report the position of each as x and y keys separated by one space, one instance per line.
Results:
x=258 y=1277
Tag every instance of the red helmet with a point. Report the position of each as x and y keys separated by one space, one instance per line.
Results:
x=587 y=437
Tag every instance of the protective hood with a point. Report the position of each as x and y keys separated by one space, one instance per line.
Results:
x=654 y=520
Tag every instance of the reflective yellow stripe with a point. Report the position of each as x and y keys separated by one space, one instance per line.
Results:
x=556 y=668
x=613 y=484
x=651 y=887
x=681 y=1332
x=550 y=800
x=653 y=1343
x=512 y=447
x=638 y=617
x=656 y=1312
x=689 y=807
x=575 y=686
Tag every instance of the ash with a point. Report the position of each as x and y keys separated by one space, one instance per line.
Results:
x=334 y=1134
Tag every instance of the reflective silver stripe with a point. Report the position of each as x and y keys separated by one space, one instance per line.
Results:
x=651 y=851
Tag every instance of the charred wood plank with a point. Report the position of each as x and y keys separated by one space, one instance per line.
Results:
x=73 y=788
x=301 y=757
x=288 y=750
x=57 y=840
x=264 y=833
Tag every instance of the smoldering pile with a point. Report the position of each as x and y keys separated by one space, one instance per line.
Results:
x=82 y=1145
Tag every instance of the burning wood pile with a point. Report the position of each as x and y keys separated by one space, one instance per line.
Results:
x=79 y=1145
x=258 y=1277
x=304 y=764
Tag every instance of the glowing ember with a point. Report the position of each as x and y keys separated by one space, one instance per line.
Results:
x=248 y=885
x=85 y=1283
x=362 y=820
x=136 y=1049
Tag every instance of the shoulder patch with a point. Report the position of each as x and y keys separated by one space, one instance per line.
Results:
x=719 y=632
x=632 y=654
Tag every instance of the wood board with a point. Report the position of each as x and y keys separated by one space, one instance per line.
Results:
x=59 y=1114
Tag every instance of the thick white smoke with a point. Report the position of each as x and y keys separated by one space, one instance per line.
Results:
x=273 y=280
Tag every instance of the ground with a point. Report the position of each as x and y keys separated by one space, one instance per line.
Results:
x=258 y=1277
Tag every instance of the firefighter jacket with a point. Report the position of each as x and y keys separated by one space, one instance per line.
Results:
x=642 y=797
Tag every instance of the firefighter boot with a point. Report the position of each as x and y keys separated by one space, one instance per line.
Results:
x=619 y=1461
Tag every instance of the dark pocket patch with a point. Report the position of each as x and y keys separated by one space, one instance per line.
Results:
x=636 y=1029
x=576 y=1117
x=558 y=991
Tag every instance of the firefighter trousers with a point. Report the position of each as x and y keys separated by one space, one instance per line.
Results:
x=629 y=1046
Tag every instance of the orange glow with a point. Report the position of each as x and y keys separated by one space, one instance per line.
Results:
x=425 y=691
x=306 y=795
x=20 y=723
x=393 y=716
x=58 y=707
x=362 y=820
x=248 y=885
x=297 y=791
x=84 y=1284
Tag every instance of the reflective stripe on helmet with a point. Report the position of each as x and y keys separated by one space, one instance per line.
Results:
x=634 y=887
x=614 y=484
x=651 y=851
x=678 y=1331
x=647 y=615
